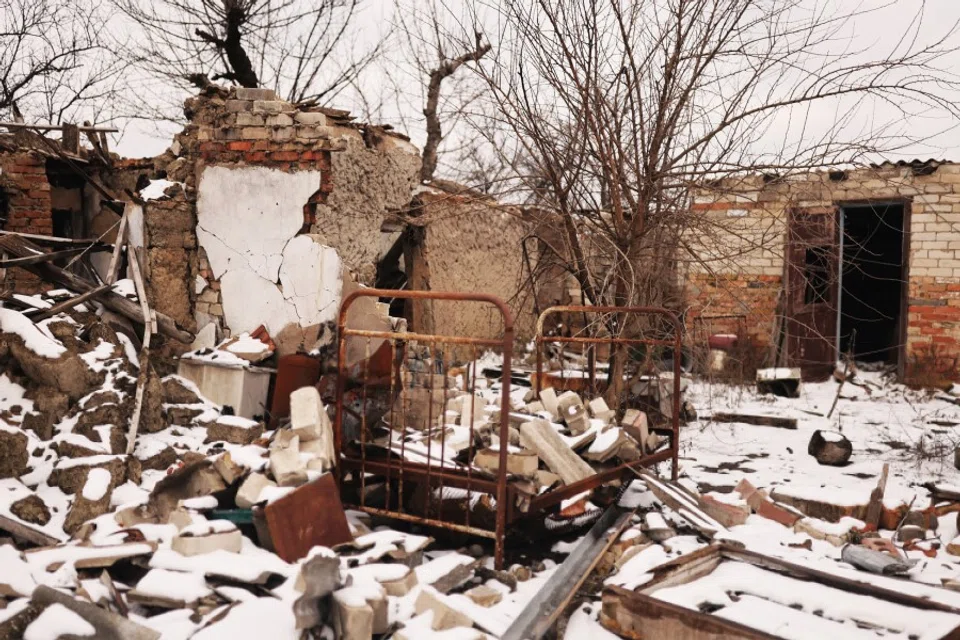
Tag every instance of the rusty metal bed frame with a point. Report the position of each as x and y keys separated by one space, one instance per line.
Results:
x=359 y=467
x=428 y=472
x=589 y=343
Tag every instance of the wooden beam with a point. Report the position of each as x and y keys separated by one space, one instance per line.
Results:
x=114 y=270
x=111 y=300
x=762 y=421
x=40 y=257
x=71 y=303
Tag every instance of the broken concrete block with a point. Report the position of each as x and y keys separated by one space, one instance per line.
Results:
x=466 y=405
x=359 y=612
x=92 y=501
x=400 y=586
x=192 y=480
x=71 y=474
x=229 y=470
x=830 y=448
x=909 y=532
x=522 y=463
x=31 y=509
x=572 y=412
x=285 y=464
x=234 y=429
x=535 y=407
x=636 y=425
x=599 y=410
x=540 y=436
x=206 y=537
x=607 y=445
x=418 y=407
x=484 y=596
x=656 y=527
x=307 y=413
x=550 y=401
x=13 y=452
x=444 y=616
x=249 y=492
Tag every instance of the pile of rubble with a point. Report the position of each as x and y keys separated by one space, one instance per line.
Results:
x=193 y=521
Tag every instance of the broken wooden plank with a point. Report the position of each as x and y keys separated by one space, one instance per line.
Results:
x=107 y=625
x=875 y=506
x=66 y=305
x=684 y=504
x=554 y=597
x=113 y=271
x=755 y=419
x=631 y=615
x=541 y=437
x=24 y=532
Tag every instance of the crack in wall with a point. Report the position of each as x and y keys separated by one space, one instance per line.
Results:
x=267 y=274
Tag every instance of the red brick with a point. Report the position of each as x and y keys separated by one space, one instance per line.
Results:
x=285 y=156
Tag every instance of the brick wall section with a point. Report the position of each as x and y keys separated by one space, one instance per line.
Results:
x=23 y=178
x=749 y=258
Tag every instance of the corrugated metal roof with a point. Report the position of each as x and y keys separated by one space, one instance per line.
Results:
x=916 y=163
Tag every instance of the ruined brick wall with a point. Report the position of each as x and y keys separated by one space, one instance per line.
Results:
x=285 y=200
x=25 y=199
x=743 y=265
x=170 y=244
x=473 y=245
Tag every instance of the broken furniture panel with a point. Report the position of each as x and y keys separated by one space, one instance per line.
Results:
x=242 y=387
x=308 y=517
x=721 y=591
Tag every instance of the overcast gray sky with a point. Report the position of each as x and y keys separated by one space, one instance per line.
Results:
x=937 y=136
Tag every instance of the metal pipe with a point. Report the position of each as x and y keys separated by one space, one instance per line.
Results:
x=552 y=599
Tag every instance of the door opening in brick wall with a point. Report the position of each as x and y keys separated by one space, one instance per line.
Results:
x=872 y=281
x=390 y=272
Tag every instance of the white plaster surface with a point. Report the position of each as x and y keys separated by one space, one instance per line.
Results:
x=246 y=216
x=247 y=221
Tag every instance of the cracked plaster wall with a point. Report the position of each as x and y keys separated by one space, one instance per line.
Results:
x=474 y=245
x=248 y=219
x=370 y=179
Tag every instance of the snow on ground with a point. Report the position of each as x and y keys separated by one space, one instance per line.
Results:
x=913 y=431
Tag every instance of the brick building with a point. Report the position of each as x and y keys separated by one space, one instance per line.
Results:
x=813 y=266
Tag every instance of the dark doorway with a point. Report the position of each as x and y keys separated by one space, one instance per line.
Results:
x=872 y=281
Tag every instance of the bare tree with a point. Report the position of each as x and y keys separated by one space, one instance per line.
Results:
x=622 y=110
x=306 y=50
x=435 y=58
x=53 y=64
